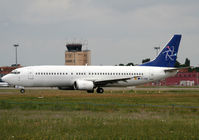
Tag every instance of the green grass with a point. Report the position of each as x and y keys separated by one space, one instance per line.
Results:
x=53 y=114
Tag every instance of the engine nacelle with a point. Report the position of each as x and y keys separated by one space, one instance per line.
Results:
x=83 y=85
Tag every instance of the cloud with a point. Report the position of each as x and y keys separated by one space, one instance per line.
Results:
x=132 y=13
x=55 y=11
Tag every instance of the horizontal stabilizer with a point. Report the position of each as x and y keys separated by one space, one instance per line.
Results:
x=175 y=69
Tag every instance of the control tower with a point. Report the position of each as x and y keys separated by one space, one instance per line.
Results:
x=74 y=55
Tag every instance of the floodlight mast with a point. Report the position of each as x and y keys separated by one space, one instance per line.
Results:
x=16 y=46
x=157 y=50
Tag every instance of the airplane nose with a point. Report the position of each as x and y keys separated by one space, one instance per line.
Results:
x=8 y=79
x=4 y=78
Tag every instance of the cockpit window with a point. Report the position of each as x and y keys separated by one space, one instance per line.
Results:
x=15 y=72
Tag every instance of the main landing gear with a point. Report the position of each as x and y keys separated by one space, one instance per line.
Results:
x=98 y=90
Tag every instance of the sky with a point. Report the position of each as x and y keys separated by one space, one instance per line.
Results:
x=117 y=31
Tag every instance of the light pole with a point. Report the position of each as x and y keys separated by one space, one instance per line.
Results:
x=157 y=50
x=16 y=46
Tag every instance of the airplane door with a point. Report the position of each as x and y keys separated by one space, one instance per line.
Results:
x=19 y=78
x=30 y=76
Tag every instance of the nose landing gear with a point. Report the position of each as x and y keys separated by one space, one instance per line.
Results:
x=22 y=90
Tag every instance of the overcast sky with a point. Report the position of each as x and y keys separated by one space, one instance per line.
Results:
x=118 y=31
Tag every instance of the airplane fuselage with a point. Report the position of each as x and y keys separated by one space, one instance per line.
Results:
x=65 y=76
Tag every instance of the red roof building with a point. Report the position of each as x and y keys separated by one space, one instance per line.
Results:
x=182 y=78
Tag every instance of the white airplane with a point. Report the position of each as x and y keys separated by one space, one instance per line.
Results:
x=90 y=78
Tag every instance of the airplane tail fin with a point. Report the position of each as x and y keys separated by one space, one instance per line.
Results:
x=167 y=57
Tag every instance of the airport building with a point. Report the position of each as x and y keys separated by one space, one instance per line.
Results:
x=74 y=55
x=182 y=79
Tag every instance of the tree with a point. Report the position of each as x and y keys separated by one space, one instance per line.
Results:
x=177 y=64
x=197 y=69
x=121 y=64
x=130 y=64
x=187 y=62
x=145 y=60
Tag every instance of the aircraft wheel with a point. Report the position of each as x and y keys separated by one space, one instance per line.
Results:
x=100 y=90
x=22 y=90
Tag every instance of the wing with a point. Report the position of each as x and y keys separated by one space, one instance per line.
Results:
x=112 y=81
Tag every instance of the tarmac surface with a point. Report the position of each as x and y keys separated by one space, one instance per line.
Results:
x=107 y=88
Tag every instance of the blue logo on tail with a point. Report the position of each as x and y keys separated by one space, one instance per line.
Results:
x=169 y=54
x=167 y=57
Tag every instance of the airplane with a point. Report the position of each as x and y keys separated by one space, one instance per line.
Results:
x=89 y=78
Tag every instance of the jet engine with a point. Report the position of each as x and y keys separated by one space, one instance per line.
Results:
x=83 y=85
